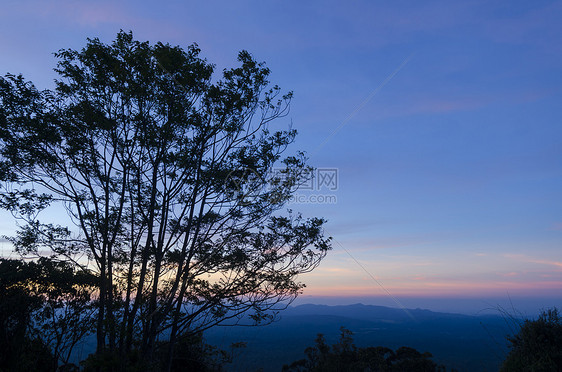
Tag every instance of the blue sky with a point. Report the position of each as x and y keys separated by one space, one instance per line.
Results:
x=443 y=119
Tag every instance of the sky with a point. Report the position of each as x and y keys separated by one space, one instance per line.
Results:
x=436 y=127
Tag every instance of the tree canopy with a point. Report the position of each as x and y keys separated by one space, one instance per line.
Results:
x=537 y=346
x=44 y=313
x=164 y=171
x=345 y=356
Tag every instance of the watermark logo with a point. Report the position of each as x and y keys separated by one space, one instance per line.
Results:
x=328 y=178
x=246 y=185
x=312 y=186
x=298 y=198
x=318 y=188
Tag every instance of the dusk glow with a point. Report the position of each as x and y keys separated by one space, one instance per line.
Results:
x=437 y=124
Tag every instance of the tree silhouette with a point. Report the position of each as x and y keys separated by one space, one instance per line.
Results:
x=165 y=174
x=44 y=313
x=16 y=308
x=345 y=356
x=538 y=345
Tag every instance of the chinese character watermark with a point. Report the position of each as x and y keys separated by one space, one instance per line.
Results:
x=248 y=186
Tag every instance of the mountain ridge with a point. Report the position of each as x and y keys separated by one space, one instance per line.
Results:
x=463 y=342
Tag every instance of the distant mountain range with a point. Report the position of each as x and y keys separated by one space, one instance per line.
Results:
x=467 y=343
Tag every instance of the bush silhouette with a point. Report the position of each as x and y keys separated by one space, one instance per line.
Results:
x=538 y=345
x=345 y=356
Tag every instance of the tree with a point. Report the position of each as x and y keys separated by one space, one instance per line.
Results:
x=16 y=308
x=165 y=173
x=44 y=309
x=345 y=356
x=538 y=345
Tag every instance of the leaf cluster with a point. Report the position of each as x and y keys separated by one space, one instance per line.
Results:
x=538 y=344
x=345 y=356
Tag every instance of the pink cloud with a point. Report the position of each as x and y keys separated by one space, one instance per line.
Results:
x=524 y=258
x=546 y=262
x=100 y=15
x=536 y=26
x=510 y=274
x=84 y=13
x=557 y=226
x=441 y=104
x=449 y=288
x=448 y=105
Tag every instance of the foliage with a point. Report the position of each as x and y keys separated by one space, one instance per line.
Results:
x=345 y=356
x=16 y=307
x=191 y=354
x=538 y=345
x=165 y=173
x=43 y=312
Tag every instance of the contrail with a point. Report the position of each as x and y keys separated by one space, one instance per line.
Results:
x=362 y=104
x=377 y=281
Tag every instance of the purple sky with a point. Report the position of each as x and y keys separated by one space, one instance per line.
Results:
x=443 y=120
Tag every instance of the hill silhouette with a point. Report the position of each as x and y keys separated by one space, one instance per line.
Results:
x=464 y=342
